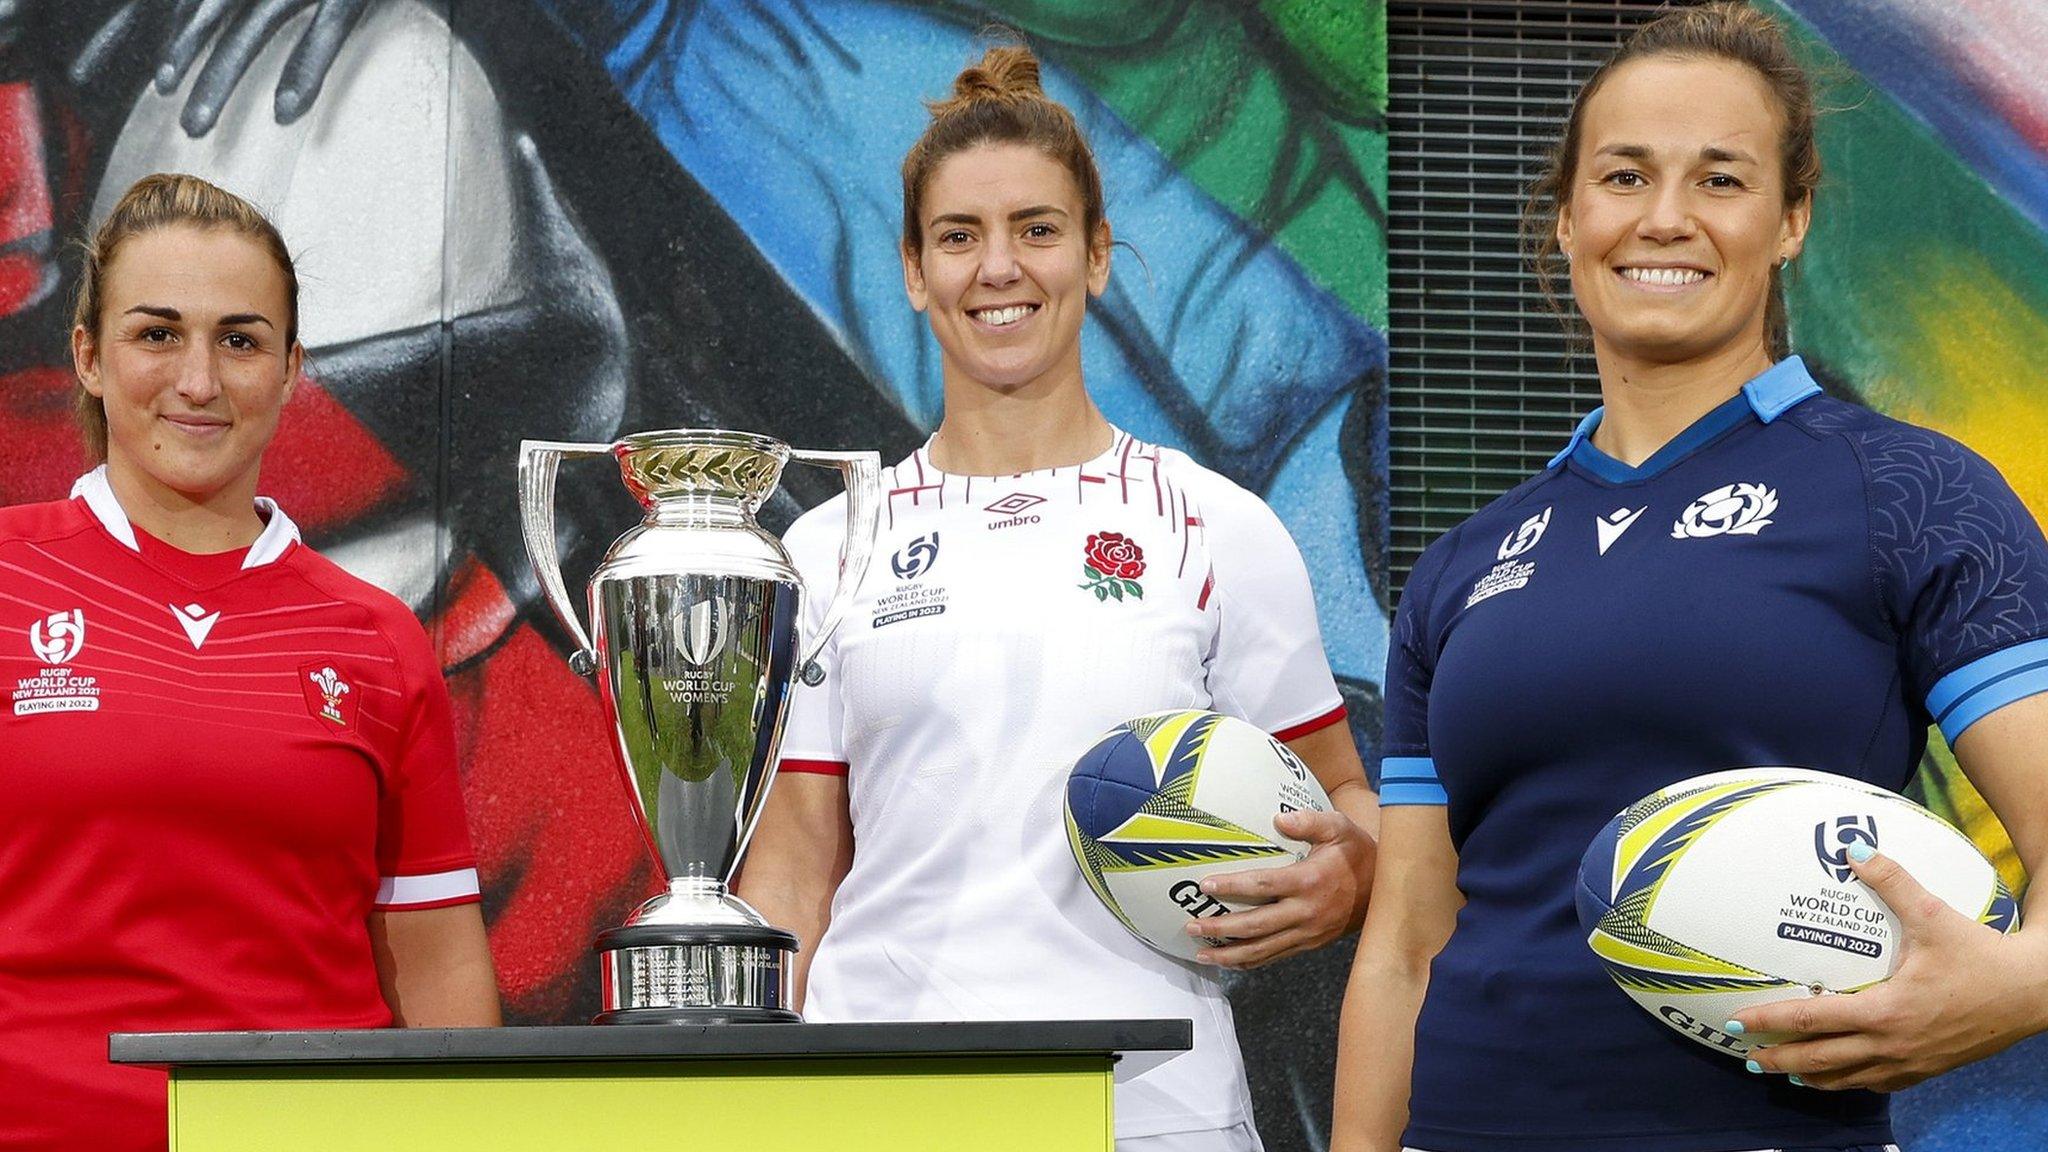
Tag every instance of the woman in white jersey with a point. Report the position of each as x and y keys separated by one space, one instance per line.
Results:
x=914 y=842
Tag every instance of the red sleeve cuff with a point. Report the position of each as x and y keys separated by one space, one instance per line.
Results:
x=1314 y=724
x=816 y=767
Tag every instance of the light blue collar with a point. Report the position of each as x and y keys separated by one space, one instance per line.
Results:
x=1770 y=395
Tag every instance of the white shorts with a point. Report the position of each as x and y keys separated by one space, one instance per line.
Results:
x=1239 y=1138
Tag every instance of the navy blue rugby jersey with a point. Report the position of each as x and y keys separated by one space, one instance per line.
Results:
x=1793 y=580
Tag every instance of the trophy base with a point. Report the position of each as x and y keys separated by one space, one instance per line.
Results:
x=717 y=1016
x=728 y=971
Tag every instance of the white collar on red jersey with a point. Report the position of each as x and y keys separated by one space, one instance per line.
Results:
x=278 y=534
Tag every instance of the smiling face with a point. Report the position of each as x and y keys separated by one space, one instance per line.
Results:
x=1676 y=214
x=190 y=358
x=1005 y=268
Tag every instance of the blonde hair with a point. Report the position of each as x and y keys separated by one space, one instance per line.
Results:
x=999 y=101
x=153 y=203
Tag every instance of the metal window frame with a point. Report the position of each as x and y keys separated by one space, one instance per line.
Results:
x=1483 y=383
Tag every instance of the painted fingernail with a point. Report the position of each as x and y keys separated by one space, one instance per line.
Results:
x=1796 y=1080
x=1734 y=1028
x=1861 y=852
x=1752 y=1065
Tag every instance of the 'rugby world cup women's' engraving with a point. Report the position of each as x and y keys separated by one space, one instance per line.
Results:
x=693 y=637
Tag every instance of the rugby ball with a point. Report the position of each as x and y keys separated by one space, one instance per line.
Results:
x=1165 y=799
x=1733 y=889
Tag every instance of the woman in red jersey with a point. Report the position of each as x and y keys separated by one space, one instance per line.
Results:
x=230 y=769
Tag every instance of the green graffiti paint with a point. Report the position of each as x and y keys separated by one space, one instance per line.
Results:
x=1275 y=110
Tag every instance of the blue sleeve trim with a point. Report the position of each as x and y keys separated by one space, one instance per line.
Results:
x=1986 y=684
x=1410 y=780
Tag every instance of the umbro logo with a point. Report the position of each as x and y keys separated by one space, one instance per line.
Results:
x=1014 y=503
x=1013 y=509
x=196 y=621
x=1611 y=526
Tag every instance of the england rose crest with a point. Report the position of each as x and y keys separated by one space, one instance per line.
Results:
x=1113 y=566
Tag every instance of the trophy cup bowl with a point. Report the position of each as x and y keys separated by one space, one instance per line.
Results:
x=694 y=620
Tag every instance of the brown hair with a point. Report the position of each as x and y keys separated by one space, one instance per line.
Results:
x=166 y=200
x=1729 y=30
x=998 y=101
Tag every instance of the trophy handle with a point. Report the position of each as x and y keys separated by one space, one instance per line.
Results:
x=538 y=462
x=862 y=473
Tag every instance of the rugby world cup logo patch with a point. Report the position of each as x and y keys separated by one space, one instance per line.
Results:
x=1833 y=839
x=1512 y=571
x=1524 y=538
x=915 y=558
x=58 y=637
x=1730 y=510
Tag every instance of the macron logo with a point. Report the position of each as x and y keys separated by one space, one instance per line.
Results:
x=1612 y=525
x=195 y=620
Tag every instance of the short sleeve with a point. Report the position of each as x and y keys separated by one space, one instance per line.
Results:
x=424 y=858
x=1267 y=663
x=1963 y=574
x=813 y=737
x=1407 y=772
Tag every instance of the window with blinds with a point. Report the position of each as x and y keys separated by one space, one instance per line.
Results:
x=1484 y=387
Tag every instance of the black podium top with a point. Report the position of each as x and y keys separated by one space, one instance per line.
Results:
x=652 y=1042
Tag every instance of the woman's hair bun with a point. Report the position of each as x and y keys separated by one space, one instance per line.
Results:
x=998 y=99
x=1006 y=72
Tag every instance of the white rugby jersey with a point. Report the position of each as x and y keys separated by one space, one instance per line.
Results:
x=1004 y=624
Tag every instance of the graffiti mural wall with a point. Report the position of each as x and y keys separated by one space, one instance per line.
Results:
x=1925 y=293
x=571 y=218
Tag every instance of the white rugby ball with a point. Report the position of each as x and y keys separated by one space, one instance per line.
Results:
x=1733 y=889
x=1165 y=799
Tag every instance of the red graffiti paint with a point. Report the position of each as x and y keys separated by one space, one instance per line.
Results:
x=25 y=216
x=44 y=451
x=555 y=839
x=324 y=467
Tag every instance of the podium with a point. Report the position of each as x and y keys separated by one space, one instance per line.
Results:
x=1012 y=1086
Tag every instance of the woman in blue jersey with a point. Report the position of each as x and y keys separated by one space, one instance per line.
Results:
x=914 y=842
x=1723 y=567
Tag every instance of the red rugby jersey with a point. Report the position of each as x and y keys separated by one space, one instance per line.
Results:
x=211 y=769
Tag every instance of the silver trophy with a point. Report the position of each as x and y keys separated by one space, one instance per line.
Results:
x=694 y=616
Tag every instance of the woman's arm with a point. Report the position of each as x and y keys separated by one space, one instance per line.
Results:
x=434 y=965
x=1962 y=991
x=1315 y=900
x=1415 y=902
x=798 y=856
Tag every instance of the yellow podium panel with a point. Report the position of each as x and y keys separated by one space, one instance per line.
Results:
x=1018 y=1104
x=993 y=1087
